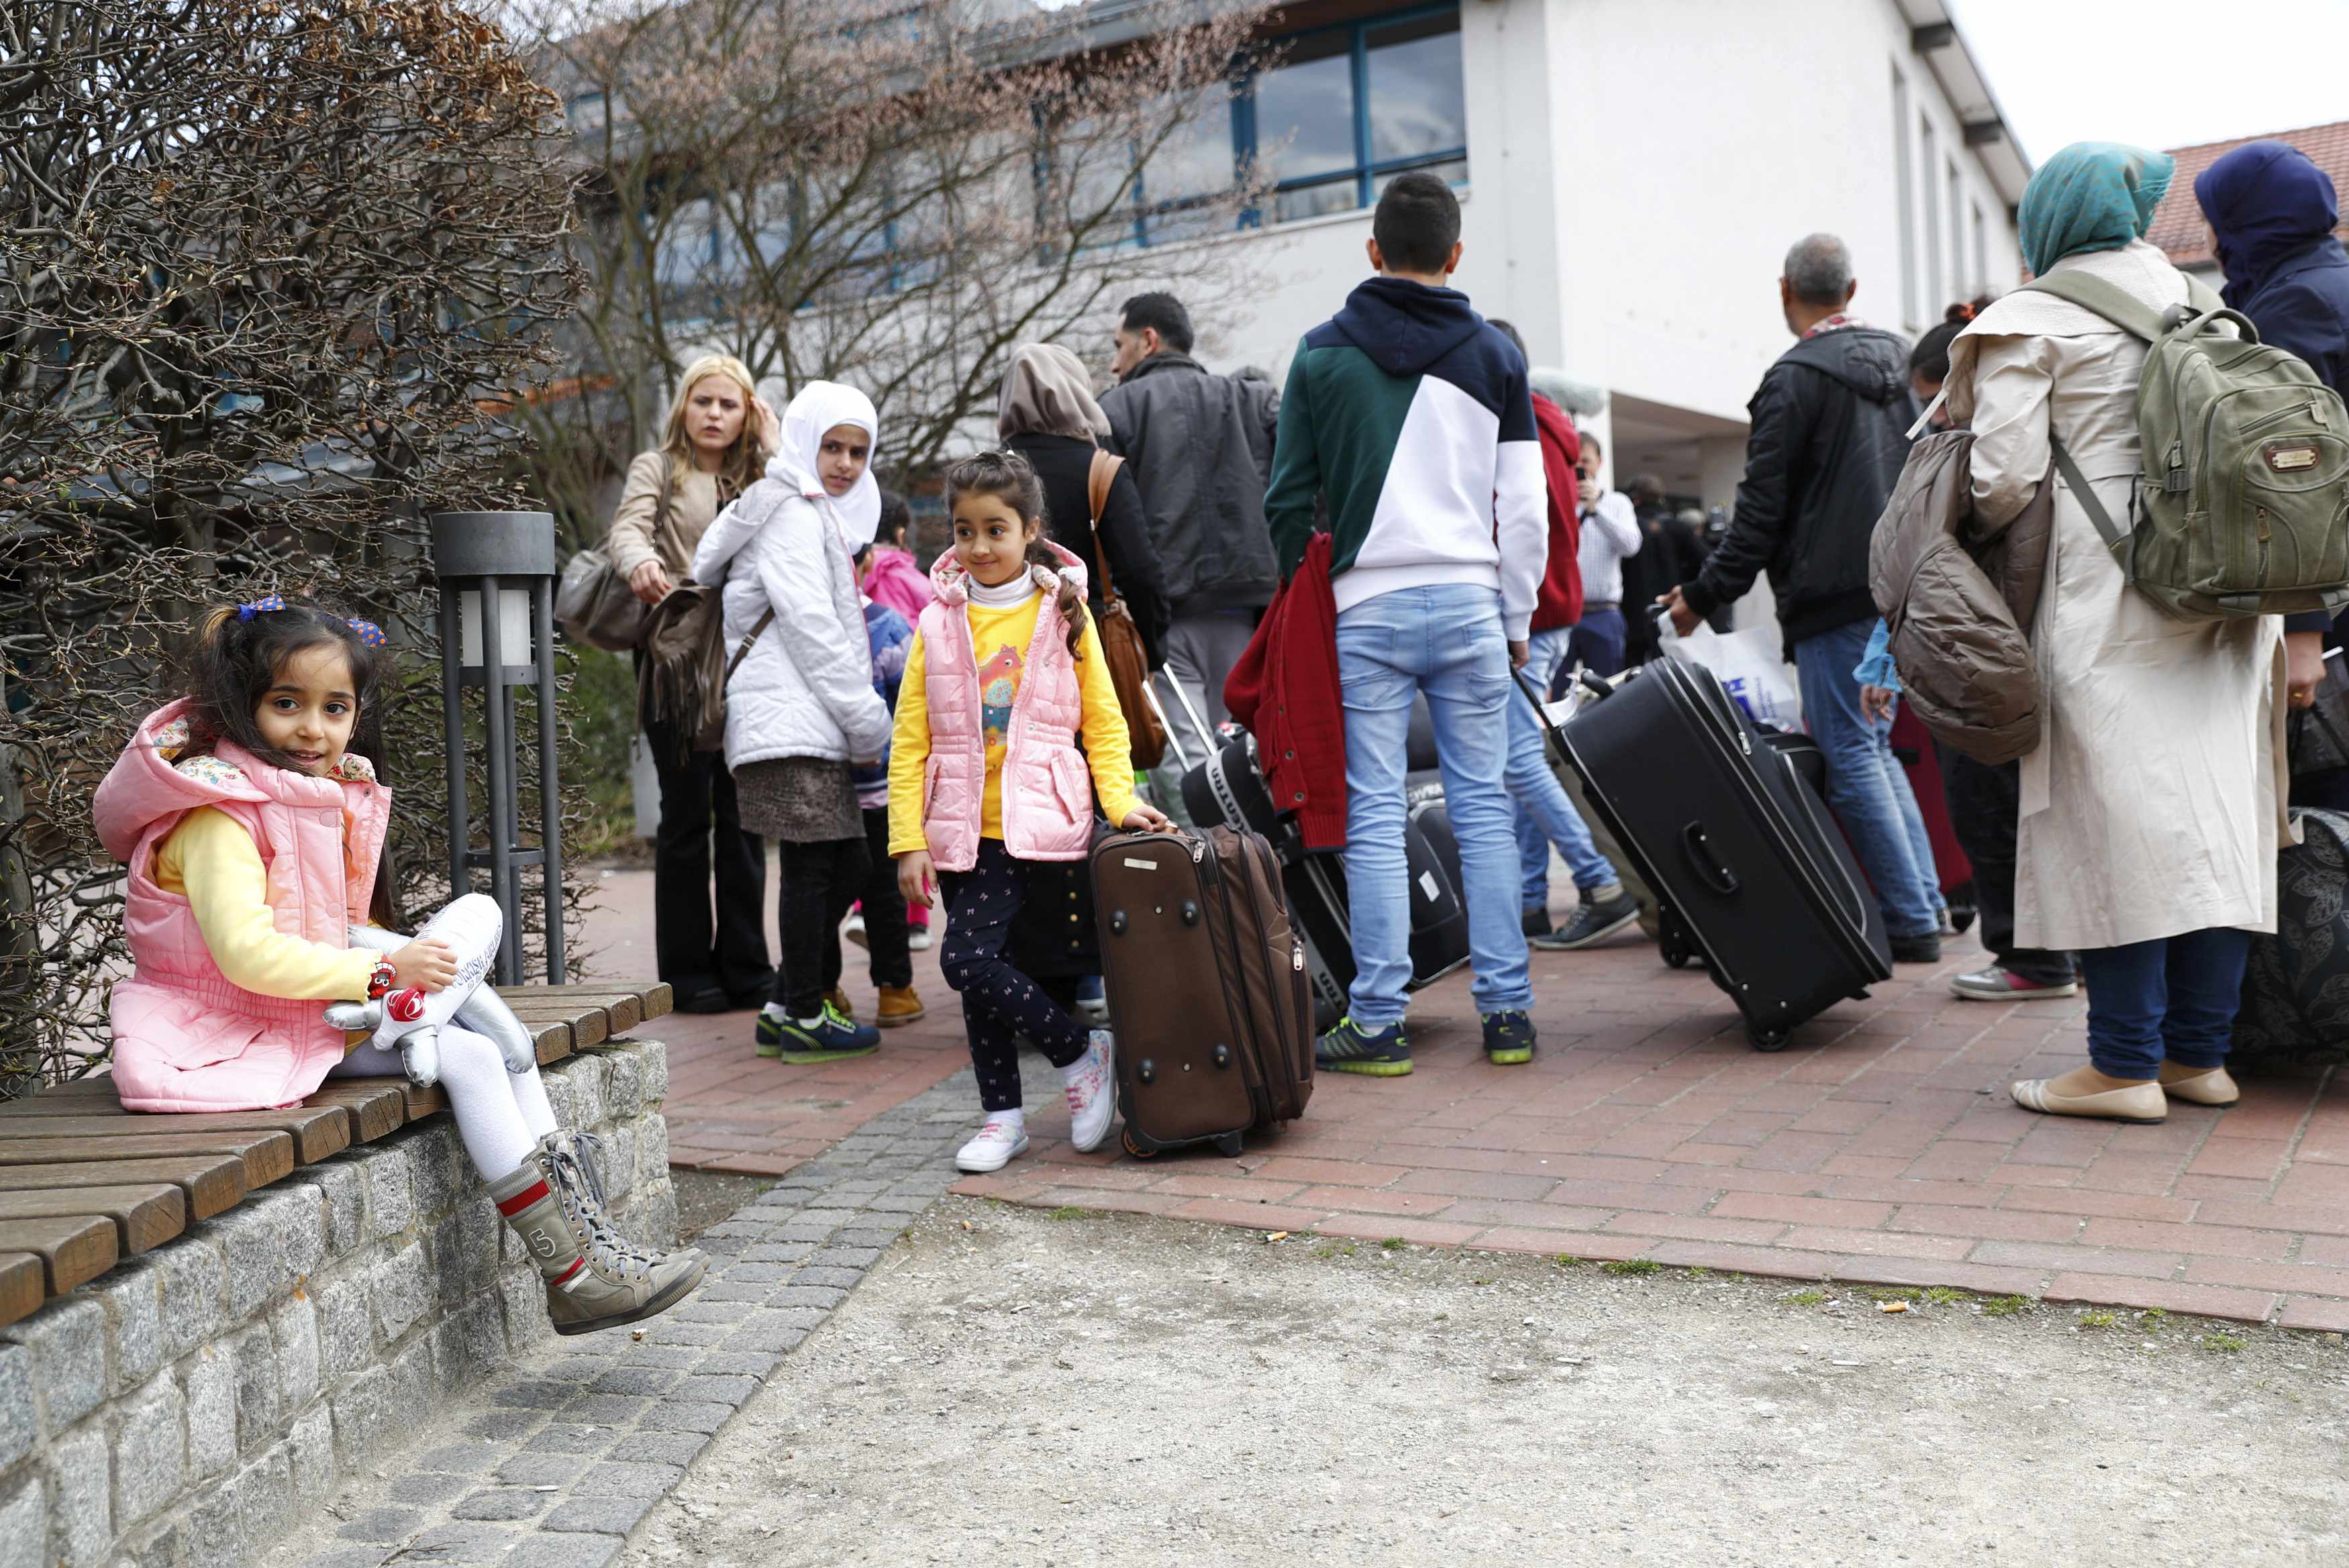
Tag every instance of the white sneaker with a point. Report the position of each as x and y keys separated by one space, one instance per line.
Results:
x=919 y=939
x=1092 y=1093
x=998 y=1143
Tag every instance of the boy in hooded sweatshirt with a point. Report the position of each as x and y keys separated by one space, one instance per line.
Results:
x=1409 y=417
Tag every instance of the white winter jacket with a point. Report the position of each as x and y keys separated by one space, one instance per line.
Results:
x=805 y=689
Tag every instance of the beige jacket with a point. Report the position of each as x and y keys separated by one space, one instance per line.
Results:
x=2153 y=805
x=693 y=502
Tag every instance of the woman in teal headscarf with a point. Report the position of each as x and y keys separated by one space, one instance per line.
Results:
x=2151 y=807
x=2091 y=196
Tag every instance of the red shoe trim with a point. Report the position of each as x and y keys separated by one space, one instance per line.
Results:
x=565 y=1278
x=521 y=1201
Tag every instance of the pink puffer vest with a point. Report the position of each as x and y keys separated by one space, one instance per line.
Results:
x=1048 y=793
x=184 y=1038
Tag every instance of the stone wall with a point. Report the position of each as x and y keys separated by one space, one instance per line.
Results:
x=191 y=1407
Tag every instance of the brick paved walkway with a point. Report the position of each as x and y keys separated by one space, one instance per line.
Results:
x=1880 y=1147
x=730 y=1110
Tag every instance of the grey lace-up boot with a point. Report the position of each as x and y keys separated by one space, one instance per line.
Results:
x=586 y=1151
x=590 y=1282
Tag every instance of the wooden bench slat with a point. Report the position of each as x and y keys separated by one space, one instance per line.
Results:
x=266 y=1156
x=213 y=1183
x=317 y=1133
x=142 y=1215
x=49 y=1104
x=24 y=1285
x=655 y=997
x=554 y=1040
x=376 y=1106
x=72 y=1250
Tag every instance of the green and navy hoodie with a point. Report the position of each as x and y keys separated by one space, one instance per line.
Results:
x=1411 y=418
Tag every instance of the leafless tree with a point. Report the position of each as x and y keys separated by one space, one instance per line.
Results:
x=890 y=192
x=274 y=275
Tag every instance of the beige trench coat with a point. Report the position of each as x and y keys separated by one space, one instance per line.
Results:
x=2153 y=803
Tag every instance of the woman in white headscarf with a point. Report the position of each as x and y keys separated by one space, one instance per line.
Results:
x=801 y=709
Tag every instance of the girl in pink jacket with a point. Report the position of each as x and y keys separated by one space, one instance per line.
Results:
x=252 y=834
x=1004 y=678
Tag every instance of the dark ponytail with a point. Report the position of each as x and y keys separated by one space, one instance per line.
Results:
x=1009 y=477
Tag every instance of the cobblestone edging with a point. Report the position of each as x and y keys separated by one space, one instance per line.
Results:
x=556 y=1461
x=197 y=1404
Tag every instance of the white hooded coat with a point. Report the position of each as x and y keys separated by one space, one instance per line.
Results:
x=805 y=688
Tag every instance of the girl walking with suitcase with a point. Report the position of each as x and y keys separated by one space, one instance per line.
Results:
x=988 y=785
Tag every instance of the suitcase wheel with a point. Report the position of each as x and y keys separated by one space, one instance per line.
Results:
x=1117 y=923
x=1768 y=1039
x=1672 y=942
x=1190 y=913
x=1229 y=1145
x=1126 y=1139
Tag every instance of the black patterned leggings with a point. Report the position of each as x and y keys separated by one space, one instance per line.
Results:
x=1000 y=1003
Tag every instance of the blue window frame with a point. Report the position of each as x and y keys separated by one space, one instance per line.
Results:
x=1345 y=109
x=1331 y=114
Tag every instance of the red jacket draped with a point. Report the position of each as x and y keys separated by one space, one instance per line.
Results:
x=1284 y=691
x=1560 y=601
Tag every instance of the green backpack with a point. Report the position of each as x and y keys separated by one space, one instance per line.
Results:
x=2242 y=508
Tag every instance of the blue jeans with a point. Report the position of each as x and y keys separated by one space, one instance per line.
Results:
x=2170 y=999
x=1866 y=783
x=1545 y=814
x=1445 y=642
x=1598 y=641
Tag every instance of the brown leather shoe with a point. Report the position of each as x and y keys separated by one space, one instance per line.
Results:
x=2139 y=1102
x=839 y=999
x=2216 y=1087
x=899 y=1004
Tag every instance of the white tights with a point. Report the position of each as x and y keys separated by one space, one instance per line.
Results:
x=500 y=1115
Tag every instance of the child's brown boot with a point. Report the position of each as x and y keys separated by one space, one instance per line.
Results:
x=898 y=1005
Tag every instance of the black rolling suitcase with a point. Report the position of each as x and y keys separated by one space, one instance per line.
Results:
x=1229 y=788
x=1752 y=874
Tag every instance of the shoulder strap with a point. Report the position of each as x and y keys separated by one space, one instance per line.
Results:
x=2113 y=535
x=662 y=510
x=744 y=651
x=1098 y=478
x=2113 y=302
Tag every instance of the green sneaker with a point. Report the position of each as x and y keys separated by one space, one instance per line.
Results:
x=834 y=1038
x=1349 y=1049
x=1508 y=1039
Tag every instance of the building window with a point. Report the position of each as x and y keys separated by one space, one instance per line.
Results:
x=1934 y=296
x=1981 y=252
x=1335 y=114
x=1905 y=178
x=1349 y=108
x=1957 y=232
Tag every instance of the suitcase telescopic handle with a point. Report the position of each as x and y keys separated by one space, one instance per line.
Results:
x=1704 y=863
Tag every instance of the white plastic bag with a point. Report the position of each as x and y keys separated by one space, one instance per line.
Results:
x=1746 y=663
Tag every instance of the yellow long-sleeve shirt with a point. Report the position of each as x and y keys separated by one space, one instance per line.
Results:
x=998 y=640
x=209 y=860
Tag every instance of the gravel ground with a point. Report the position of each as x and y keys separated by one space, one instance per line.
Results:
x=1015 y=1387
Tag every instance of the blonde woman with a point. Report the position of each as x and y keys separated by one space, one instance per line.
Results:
x=718 y=436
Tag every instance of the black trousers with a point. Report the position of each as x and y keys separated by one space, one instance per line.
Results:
x=885 y=932
x=700 y=832
x=1000 y=1003
x=820 y=881
x=1984 y=804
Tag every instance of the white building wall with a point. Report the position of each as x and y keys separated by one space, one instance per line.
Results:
x=1638 y=168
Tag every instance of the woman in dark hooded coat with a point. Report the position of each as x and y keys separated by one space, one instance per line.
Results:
x=2271 y=212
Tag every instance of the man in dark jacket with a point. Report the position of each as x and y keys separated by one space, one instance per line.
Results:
x=1827 y=442
x=2271 y=212
x=1199 y=447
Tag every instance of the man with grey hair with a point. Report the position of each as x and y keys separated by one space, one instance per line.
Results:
x=1828 y=437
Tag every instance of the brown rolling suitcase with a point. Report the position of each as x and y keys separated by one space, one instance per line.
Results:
x=1206 y=987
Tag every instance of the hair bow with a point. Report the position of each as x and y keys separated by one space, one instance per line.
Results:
x=370 y=633
x=260 y=606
